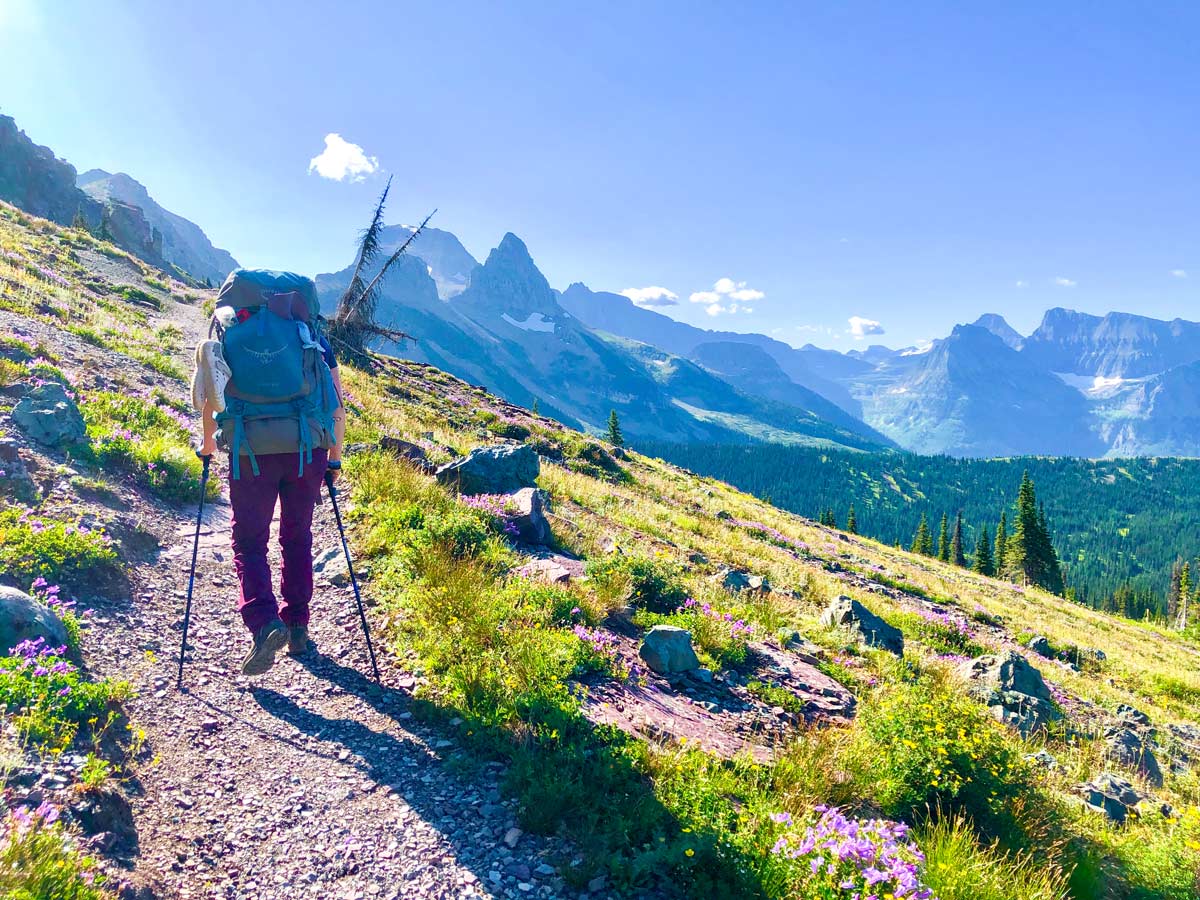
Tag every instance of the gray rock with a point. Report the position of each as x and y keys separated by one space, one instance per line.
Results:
x=1043 y=759
x=668 y=650
x=704 y=676
x=331 y=564
x=403 y=449
x=1129 y=749
x=530 y=506
x=492 y=470
x=1013 y=690
x=1131 y=714
x=736 y=580
x=1041 y=647
x=49 y=416
x=24 y=618
x=1113 y=796
x=845 y=612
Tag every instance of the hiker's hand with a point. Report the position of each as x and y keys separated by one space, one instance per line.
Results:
x=333 y=475
x=208 y=447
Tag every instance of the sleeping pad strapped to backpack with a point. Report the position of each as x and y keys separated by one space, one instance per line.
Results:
x=281 y=397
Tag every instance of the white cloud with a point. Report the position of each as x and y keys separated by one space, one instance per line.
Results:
x=651 y=296
x=727 y=296
x=1022 y=284
x=860 y=327
x=1179 y=273
x=341 y=160
x=1065 y=282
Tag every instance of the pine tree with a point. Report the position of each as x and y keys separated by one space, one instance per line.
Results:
x=534 y=409
x=79 y=222
x=1029 y=556
x=1001 y=545
x=1174 y=594
x=923 y=540
x=944 y=540
x=614 y=430
x=851 y=521
x=957 y=555
x=983 y=554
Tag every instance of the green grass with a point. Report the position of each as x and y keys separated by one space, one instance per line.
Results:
x=37 y=546
x=38 y=862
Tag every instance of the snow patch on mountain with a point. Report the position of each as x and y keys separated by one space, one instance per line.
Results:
x=535 y=322
x=1092 y=385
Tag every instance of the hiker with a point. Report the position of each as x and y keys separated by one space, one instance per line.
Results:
x=269 y=393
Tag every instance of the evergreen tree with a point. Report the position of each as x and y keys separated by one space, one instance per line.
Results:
x=1001 y=545
x=983 y=554
x=851 y=521
x=1029 y=556
x=79 y=222
x=944 y=540
x=534 y=409
x=614 y=430
x=923 y=540
x=957 y=554
x=1173 y=590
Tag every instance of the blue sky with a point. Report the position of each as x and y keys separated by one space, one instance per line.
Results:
x=911 y=165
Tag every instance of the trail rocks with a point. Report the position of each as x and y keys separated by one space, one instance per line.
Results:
x=667 y=649
x=492 y=470
x=331 y=565
x=107 y=812
x=1131 y=750
x=845 y=612
x=555 y=568
x=50 y=416
x=1012 y=689
x=24 y=618
x=736 y=580
x=529 y=507
x=1113 y=796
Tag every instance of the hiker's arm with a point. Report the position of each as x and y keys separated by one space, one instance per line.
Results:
x=208 y=438
x=339 y=422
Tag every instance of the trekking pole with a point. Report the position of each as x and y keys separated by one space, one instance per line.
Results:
x=362 y=613
x=187 y=610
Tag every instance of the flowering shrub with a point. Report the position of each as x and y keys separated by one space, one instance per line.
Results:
x=942 y=632
x=151 y=440
x=601 y=651
x=499 y=506
x=849 y=671
x=48 y=696
x=50 y=549
x=37 y=859
x=848 y=859
x=64 y=608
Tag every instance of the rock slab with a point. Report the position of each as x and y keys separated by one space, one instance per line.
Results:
x=529 y=507
x=50 y=416
x=845 y=612
x=667 y=649
x=492 y=470
x=1013 y=690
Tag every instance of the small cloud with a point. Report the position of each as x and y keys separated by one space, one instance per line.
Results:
x=651 y=296
x=1179 y=273
x=860 y=327
x=1022 y=284
x=727 y=296
x=341 y=160
x=1065 y=282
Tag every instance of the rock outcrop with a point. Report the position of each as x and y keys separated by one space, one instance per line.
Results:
x=492 y=470
x=50 y=416
x=529 y=506
x=845 y=612
x=1012 y=689
x=668 y=650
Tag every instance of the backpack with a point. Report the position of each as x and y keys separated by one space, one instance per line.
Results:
x=280 y=397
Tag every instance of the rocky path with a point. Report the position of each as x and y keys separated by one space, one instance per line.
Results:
x=310 y=781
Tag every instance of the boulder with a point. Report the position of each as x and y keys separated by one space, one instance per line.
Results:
x=667 y=649
x=492 y=470
x=846 y=612
x=15 y=479
x=49 y=416
x=403 y=449
x=736 y=581
x=529 y=507
x=1113 y=796
x=1129 y=749
x=1013 y=690
x=1041 y=647
x=1132 y=715
x=24 y=618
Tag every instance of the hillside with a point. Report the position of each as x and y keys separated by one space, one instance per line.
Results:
x=1118 y=524
x=519 y=745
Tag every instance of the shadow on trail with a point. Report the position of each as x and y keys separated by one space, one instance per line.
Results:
x=569 y=778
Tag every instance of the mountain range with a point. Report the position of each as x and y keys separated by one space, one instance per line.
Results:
x=1079 y=385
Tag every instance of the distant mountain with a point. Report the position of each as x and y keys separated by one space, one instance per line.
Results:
x=996 y=324
x=1118 y=345
x=447 y=261
x=183 y=244
x=33 y=179
x=507 y=330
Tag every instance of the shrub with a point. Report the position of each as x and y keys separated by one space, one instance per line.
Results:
x=55 y=550
x=650 y=584
x=49 y=698
x=10 y=372
x=132 y=294
x=940 y=632
x=958 y=867
x=38 y=863
x=150 y=442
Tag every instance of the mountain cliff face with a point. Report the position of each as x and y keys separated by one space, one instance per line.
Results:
x=1118 y=345
x=32 y=178
x=182 y=243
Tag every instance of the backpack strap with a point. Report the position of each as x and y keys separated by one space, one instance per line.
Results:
x=237 y=442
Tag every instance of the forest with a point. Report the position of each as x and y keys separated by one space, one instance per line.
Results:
x=1118 y=525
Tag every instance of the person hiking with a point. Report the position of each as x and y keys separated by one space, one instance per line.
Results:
x=270 y=395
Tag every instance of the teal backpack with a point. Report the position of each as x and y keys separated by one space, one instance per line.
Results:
x=281 y=397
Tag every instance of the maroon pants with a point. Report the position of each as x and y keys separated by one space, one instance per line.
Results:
x=253 y=500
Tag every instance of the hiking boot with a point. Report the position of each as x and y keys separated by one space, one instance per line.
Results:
x=269 y=641
x=298 y=642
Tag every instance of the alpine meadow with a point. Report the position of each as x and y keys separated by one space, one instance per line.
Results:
x=800 y=502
